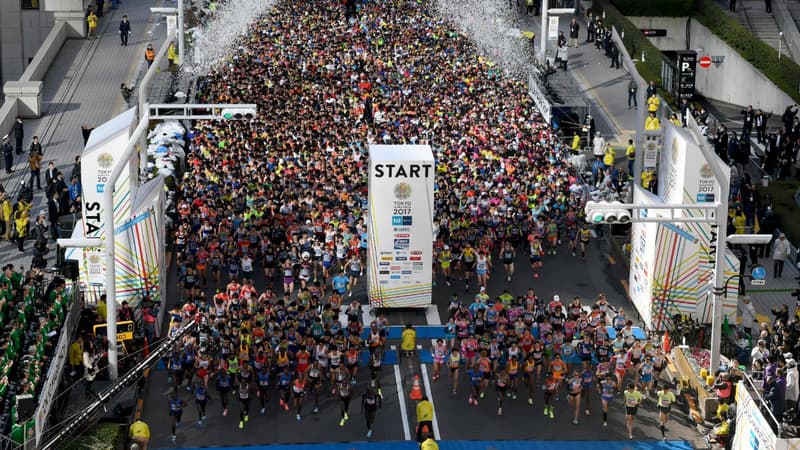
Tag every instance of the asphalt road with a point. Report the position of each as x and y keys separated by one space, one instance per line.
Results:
x=562 y=274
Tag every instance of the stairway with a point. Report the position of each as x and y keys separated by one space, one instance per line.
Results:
x=752 y=15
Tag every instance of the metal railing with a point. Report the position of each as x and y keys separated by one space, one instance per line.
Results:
x=754 y=388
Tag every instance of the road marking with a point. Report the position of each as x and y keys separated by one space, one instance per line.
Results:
x=433 y=318
x=611 y=260
x=398 y=381
x=424 y=370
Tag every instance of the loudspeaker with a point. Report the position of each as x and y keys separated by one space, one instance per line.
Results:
x=25 y=406
x=69 y=269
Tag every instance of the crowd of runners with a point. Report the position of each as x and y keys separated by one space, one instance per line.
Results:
x=272 y=238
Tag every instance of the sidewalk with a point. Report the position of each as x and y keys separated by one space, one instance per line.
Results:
x=604 y=87
x=81 y=87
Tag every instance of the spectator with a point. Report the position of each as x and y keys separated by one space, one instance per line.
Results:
x=780 y=252
x=8 y=154
x=19 y=134
x=792 y=380
x=126 y=92
x=35 y=163
x=149 y=54
x=124 y=30
x=91 y=20
x=748 y=313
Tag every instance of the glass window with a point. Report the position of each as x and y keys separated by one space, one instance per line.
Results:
x=30 y=4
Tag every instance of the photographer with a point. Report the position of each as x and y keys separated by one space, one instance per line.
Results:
x=781 y=315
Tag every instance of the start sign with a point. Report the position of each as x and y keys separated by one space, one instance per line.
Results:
x=705 y=62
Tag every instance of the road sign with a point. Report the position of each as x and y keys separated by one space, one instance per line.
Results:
x=654 y=32
x=705 y=62
x=758 y=282
x=124 y=330
x=687 y=63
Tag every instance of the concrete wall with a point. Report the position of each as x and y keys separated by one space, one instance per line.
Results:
x=675 y=26
x=21 y=34
x=735 y=81
x=8 y=113
x=788 y=26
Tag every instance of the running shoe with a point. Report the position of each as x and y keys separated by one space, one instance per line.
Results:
x=241 y=424
x=316 y=409
x=499 y=411
x=551 y=412
x=545 y=410
x=204 y=417
x=530 y=401
x=481 y=394
x=509 y=278
x=587 y=412
x=380 y=393
x=535 y=275
x=246 y=418
x=341 y=422
x=630 y=436
x=574 y=421
x=573 y=253
x=369 y=433
x=448 y=285
x=605 y=424
x=263 y=410
x=508 y=394
x=188 y=389
x=286 y=407
x=199 y=423
x=454 y=392
x=174 y=439
x=225 y=412
x=353 y=381
x=558 y=398
x=346 y=416
x=513 y=396
x=298 y=417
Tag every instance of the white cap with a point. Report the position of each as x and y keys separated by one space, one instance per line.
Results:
x=483 y=289
x=557 y=298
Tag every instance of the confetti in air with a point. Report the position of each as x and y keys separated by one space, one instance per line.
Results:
x=493 y=26
x=215 y=41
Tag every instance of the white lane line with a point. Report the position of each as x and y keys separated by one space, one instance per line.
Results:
x=424 y=370
x=401 y=399
x=433 y=318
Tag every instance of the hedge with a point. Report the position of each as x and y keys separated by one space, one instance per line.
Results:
x=784 y=72
x=103 y=436
x=657 y=8
x=635 y=42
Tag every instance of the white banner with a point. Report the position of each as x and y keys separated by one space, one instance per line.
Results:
x=53 y=381
x=538 y=98
x=552 y=28
x=400 y=228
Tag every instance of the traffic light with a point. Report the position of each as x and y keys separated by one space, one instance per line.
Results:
x=238 y=113
x=606 y=212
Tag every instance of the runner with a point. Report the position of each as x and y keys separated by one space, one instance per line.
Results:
x=574 y=389
x=343 y=390
x=550 y=388
x=176 y=406
x=224 y=383
x=314 y=380
x=245 y=384
x=439 y=353
x=299 y=393
x=646 y=377
x=370 y=402
x=507 y=256
x=584 y=235
x=607 y=389
x=665 y=400
x=476 y=381
x=536 y=253
x=586 y=384
x=501 y=385
x=454 y=363
x=445 y=258
x=632 y=400
x=262 y=387
x=200 y=400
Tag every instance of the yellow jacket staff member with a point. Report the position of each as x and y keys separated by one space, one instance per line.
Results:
x=408 y=339
x=139 y=433
x=424 y=417
x=608 y=156
x=429 y=444
x=652 y=123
